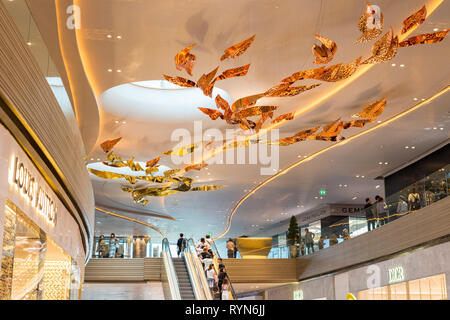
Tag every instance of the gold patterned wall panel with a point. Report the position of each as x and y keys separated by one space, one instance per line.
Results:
x=7 y=254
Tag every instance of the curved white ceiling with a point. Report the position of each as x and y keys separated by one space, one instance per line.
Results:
x=158 y=100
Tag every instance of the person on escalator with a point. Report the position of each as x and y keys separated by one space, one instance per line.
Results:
x=211 y=277
x=201 y=245
x=221 y=277
x=225 y=290
x=220 y=262
x=181 y=244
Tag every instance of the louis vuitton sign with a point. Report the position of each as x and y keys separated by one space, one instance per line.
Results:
x=33 y=191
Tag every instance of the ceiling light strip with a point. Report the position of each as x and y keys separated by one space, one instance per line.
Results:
x=312 y=156
x=131 y=219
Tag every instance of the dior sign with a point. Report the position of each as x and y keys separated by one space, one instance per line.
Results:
x=33 y=192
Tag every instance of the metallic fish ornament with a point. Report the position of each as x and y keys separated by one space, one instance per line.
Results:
x=299 y=136
x=285 y=90
x=384 y=49
x=185 y=60
x=325 y=52
x=212 y=113
x=340 y=72
x=183 y=150
x=231 y=73
x=370 y=24
x=246 y=102
x=237 y=49
x=286 y=117
x=254 y=111
x=208 y=188
x=357 y=123
x=305 y=74
x=195 y=167
x=414 y=20
x=108 y=145
x=180 y=81
x=426 y=38
x=372 y=110
x=153 y=162
x=205 y=83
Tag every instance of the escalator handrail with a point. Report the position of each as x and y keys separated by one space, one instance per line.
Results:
x=233 y=293
x=172 y=277
x=198 y=269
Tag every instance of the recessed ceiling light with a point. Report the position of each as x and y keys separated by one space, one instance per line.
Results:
x=29 y=43
x=436 y=29
x=434 y=128
x=124 y=122
x=379 y=121
x=299 y=156
x=386 y=163
x=357 y=175
x=345 y=186
x=119 y=37
x=377 y=186
x=362 y=176
x=415 y=99
x=402 y=65
x=393 y=64
x=109 y=36
x=354 y=198
x=316 y=197
x=117 y=121
x=441 y=128
x=340 y=185
x=109 y=70
x=413 y=147
x=423 y=99
x=406 y=147
x=98 y=159
x=92 y=159
x=119 y=70
x=380 y=162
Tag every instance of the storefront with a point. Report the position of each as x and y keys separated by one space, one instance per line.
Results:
x=419 y=275
x=41 y=249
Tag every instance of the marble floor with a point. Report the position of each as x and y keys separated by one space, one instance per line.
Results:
x=122 y=291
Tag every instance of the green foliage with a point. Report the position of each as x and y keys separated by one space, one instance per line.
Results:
x=293 y=235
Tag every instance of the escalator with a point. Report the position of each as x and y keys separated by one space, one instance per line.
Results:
x=183 y=278
x=184 y=282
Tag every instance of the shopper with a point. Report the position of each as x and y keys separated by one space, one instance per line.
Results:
x=230 y=248
x=220 y=263
x=368 y=208
x=414 y=200
x=181 y=245
x=309 y=241
x=201 y=245
x=113 y=242
x=225 y=290
x=220 y=280
x=321 y=242
x=208 y=242
x=402 y=206
x=211 y=276
x=381 y=211
x=102 y=247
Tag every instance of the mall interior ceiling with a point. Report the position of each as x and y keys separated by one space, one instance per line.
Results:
x=112 y=66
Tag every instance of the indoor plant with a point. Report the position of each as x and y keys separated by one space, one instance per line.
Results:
x=293 y=236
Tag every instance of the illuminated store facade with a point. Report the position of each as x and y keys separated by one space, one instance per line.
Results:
x=41 y=249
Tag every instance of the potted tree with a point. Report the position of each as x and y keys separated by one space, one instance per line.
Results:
x=293 y=236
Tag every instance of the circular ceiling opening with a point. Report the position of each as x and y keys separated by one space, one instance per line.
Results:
x=158 y=100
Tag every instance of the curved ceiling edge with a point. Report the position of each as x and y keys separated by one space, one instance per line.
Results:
x=150 y=214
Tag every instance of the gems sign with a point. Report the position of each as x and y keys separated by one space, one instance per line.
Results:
x=30 y=188
x=396 y=274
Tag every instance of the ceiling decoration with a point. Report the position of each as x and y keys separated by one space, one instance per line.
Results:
x=238 y=49
x=324 y=53
x=414 y=20
x=185 y=60
x=369 y=18
x=172 y=179
x=426 y=38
